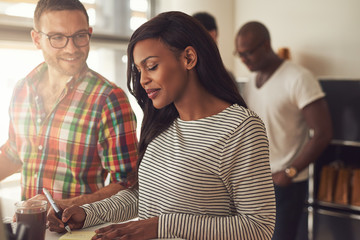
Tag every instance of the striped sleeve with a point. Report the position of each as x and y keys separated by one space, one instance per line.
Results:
x=245 y=171
x=120 y=207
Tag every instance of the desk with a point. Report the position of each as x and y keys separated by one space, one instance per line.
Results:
x=55 y=236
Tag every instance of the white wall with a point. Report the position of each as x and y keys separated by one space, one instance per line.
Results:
x=222 y=10
x=323 y=35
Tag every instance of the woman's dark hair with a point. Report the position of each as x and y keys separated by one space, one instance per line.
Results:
x=178 y=30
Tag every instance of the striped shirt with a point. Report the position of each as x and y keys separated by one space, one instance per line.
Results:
x=90 y=132
x=205 y=179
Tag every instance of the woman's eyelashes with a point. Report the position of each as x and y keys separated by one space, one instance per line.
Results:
x=152 y=68
x=148 y=68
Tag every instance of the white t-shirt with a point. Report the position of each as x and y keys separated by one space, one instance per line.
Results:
x=279 y=103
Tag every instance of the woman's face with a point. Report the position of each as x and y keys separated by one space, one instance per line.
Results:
x=163 y=75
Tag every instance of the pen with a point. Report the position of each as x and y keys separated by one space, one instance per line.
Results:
x=55 y=207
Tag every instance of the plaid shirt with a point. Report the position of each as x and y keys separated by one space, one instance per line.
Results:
x=90 y=132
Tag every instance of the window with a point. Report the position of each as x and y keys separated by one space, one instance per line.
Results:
x=111 y=17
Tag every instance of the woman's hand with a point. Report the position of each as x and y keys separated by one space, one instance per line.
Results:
x=139 y=230
x=74 y=216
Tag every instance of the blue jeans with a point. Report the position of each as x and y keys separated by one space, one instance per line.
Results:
x=290 y=202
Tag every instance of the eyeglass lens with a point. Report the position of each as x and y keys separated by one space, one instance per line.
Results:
x=60 y=41
x=246 y=54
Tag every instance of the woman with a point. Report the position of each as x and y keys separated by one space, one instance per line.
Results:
x=203 y=167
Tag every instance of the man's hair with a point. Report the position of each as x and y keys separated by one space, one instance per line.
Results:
x=256 y=28
x=56 y=5
x=207 y=20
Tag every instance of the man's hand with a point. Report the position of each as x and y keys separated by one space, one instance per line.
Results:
x=74 y=216
x=281 y=179
x=139 y=230
x=38 y=197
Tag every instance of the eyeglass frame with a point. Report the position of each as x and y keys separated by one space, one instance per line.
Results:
x=67 y=38
x=247 y=53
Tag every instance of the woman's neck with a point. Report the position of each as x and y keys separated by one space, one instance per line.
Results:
x=199 y=103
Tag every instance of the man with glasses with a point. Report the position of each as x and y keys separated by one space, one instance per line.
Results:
x=69 y=127
x=291 y=103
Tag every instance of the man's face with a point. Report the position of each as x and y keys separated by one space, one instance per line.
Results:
x=70 y=60
x=251 y=51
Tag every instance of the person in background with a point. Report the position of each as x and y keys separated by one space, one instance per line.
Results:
x=291 y=103
x=69 y=126
x=209 y=22
x=204 y=171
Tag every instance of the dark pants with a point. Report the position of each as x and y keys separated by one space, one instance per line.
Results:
x=290 y=202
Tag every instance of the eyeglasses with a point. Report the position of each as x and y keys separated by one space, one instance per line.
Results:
x=80 y=39
x=248 y=53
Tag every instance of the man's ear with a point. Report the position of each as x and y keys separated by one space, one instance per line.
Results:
x=190 y=57
x=35 y=36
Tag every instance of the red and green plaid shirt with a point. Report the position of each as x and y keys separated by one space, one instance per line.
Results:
x=89 y=133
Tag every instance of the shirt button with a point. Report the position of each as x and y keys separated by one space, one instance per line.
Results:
x=36 y=97
x=39 y=120
x=36 y=175
x=40 y=147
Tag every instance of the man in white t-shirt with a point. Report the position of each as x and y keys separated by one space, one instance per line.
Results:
x=291 y=103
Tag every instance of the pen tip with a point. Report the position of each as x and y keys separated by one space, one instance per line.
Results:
x=68 y=229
